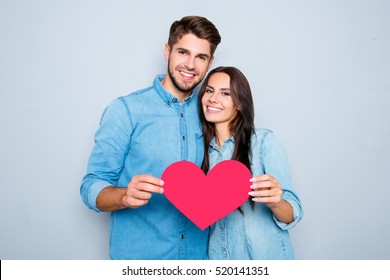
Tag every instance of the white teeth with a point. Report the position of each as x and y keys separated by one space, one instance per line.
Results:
x=187 y=74
x=214 y=109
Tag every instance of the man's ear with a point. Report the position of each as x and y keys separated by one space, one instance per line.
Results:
x=210 y=62
x=167 y=51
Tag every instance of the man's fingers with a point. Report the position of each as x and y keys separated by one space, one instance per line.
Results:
x=145 y=178
x=140 y=194
x=147 y=183
x=145 y=187
x=134 y=202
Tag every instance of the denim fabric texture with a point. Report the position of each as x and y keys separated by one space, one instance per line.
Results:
x=143 y=133
x=256 y=234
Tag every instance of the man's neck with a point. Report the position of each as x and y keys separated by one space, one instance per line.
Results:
x=170 y=87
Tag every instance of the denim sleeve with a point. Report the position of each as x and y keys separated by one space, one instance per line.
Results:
x=106 y=161
x=274 y=158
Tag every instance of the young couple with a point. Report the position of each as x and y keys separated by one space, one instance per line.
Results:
x=143 y=133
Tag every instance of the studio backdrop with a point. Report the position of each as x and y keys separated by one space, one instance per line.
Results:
x=319 y=72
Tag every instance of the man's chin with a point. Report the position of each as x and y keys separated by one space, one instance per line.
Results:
x=186 y=88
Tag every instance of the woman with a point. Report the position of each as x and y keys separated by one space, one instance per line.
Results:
x=259 y=228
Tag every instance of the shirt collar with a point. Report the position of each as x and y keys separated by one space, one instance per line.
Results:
x=214 y=145
x=166 y=97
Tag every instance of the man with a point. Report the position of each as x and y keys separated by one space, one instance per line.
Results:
x=139 y=136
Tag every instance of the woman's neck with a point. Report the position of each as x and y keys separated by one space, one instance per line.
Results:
x=221 y=134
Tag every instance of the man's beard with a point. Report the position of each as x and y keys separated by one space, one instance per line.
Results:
x=183 y=87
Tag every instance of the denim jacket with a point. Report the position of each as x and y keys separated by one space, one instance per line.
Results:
x=143 y=133
x=256 y=234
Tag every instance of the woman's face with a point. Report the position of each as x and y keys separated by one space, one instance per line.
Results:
x=217 y=103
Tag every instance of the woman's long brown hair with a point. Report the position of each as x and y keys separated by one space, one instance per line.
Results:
x=241 y=126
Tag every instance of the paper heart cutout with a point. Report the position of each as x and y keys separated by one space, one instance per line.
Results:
x=206 y=199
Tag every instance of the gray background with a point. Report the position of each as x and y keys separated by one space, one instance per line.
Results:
x=319 y=71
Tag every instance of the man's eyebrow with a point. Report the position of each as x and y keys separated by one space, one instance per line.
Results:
x=204 y=54
x=186 y=50
x=182 y=49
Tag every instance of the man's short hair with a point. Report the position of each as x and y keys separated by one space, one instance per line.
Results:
x=201 y=27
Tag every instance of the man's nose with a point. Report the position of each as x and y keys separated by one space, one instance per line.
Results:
x=190 y=62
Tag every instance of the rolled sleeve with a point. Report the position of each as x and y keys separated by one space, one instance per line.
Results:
x=109 y=152
x=275 y=163
x=297 y=211
x=92 y=191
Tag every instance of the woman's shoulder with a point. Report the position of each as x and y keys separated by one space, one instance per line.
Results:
x=264 y=137
x=261 y=133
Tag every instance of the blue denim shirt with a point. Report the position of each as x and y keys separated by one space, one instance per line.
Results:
x=143 y=133
x=256 y=234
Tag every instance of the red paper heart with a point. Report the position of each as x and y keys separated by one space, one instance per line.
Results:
x=206 y=199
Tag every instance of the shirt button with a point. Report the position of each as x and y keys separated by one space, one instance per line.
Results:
x=174 y=100
x=181 y=115
x=169 y=103
x=182 y=236
x=183 y=138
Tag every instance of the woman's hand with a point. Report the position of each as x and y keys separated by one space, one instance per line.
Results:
x=266 y=189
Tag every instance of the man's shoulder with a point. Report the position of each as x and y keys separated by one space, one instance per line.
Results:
x=139 y=98
x=147 y=92
x=138 y=94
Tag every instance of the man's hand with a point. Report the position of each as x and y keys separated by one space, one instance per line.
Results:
x=140 y=190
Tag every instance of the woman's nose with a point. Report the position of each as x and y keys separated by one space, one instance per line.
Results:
x=213 y=98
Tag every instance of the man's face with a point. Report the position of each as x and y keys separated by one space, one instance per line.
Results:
x=188 y=61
